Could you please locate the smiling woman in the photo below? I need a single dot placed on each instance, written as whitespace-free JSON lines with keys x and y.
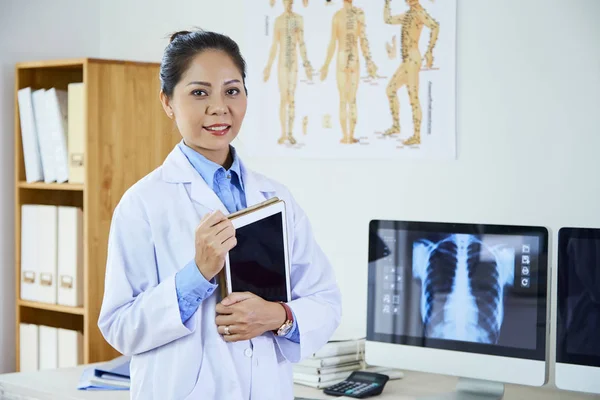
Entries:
{"x":203,"y":89}
{"x":169,"y":238}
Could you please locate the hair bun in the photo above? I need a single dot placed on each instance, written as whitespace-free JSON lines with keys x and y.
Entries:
{"x":180,"y":33}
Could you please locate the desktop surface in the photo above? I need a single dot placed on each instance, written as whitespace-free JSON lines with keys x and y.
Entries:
{"x":62,"y":383}
{"x":418,"y":384}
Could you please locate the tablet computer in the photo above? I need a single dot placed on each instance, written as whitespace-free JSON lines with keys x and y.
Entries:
{"x":259,"y":263}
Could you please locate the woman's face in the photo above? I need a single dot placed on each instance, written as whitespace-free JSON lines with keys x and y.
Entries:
{"x":209,"y":104}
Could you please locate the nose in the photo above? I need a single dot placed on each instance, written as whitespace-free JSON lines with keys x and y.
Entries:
{"x":217,"y":106}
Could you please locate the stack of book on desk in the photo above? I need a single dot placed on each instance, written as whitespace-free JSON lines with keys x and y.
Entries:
{"x":335,"y":362}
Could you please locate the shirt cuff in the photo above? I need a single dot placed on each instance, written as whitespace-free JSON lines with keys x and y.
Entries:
{"x":191,"y":288}
{"x":294,"y":333}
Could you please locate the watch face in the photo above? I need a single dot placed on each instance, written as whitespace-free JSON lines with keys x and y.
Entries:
{"x":285,"y":329}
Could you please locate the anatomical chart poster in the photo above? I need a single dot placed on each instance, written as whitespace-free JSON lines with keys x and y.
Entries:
{"x":351,"y":78}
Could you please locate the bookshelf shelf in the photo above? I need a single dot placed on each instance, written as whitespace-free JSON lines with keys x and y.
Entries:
{"x":52,"y":186}
{"x":119,"y":109}
{"x":52,"y":307}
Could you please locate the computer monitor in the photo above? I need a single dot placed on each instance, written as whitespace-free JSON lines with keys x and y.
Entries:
{"x":467,"y":300}
{"x":578,"y":310}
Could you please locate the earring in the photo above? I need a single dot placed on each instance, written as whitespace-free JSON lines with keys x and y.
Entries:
{"x":171,"y":115}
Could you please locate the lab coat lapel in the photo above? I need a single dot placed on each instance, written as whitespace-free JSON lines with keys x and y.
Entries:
{"x":177,"y":169}
{"x":204,"y":195}
{"x":256,"y":187}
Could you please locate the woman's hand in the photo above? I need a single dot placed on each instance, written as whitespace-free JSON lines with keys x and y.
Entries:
{"x":215,"y":236}
{"x":247,"y":316}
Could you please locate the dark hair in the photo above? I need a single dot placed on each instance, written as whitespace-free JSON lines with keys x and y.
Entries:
{"x":185,"y":45}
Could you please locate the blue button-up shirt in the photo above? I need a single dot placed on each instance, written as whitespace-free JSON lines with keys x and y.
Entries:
{"x":191,"y":286}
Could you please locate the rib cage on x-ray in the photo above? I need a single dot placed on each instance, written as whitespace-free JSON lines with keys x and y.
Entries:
{"x":462,"y":282}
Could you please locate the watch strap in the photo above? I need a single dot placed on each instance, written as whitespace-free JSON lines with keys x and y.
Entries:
{"x":289,"y":319}
{"x":289,"y":316}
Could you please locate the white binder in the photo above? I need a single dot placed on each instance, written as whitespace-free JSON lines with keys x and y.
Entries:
{"x":31,"y":150}
{"x":70,"y":348}
{"x":70,"y":256}
{"x":57,"y":108}
{"x":40,"y":111}
{"x":76,"y":124}
{"x":48,"y":347}
{"x":29,"y":254}
{"x":28,"y":338}
{"x":46,"y":248}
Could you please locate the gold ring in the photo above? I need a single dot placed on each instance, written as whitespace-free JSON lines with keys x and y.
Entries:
{"x":227,"y":330}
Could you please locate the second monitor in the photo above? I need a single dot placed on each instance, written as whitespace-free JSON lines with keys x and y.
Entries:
{"x":466,"y":300}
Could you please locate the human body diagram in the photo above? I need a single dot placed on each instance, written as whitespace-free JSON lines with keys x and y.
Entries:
{"x":348,"y":28}
{"x":288,"y":38}
{"x":407,"y":74}
{"x":374,"y":59}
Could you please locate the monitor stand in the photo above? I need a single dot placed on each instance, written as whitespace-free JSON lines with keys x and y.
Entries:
{"x":472,"y":389}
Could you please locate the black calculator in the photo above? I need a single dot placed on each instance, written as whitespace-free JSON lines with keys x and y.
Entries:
{"x":359,"y":385}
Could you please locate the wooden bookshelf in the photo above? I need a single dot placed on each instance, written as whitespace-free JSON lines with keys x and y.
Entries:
{"x":51,"y":186}
{"x":51,"y":307}
{"x":127,"y":136}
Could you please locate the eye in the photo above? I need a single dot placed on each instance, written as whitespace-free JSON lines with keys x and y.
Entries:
{"x":233,"y":92}
{"x":198,"y":92}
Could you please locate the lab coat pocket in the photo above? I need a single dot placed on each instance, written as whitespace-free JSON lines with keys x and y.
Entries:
{"x":177,"y":367}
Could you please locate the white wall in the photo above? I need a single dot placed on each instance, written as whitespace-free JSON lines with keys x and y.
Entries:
{"x":528,"y":127}
{"x":528,"y":140}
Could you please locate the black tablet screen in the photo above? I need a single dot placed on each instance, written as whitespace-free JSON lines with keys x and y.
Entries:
{"x":257,"y":262}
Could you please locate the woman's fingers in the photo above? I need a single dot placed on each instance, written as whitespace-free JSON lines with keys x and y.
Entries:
{"x":223,"y":320}
{"x":225,"y":234}
{"x":227,"y":330}
{"x":230,"y":333}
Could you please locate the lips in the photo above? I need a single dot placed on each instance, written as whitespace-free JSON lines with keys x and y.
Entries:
{"x":217,"y":129}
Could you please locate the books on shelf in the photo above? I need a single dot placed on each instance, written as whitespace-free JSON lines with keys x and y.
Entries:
{"x":52,"y":133}
{"x":76,"y":132}
{"x":29,"y":137}
{"x":44,"y":347}
{"x":52,"y":254}
{"x":29,"y":351}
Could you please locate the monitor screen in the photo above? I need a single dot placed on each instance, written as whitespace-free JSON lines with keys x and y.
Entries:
{"x":578,"y":283}
{"x":464,"y":287}
{"x":257,"y":262}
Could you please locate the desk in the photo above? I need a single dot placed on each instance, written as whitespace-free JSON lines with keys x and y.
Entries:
{"x":415,"y":384}
{"x":52,"y":384}
{"x":61,"y":384}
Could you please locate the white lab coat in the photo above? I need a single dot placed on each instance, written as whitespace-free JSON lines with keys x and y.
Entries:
{"x":151,"y":238}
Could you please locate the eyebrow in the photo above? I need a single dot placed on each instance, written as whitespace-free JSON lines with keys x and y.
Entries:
{"x":209,"y":85}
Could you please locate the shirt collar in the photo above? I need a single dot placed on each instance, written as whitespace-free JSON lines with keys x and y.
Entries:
{"x":207,"y":169}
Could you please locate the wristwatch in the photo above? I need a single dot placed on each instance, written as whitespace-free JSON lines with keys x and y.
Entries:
{"x":286,"y":327}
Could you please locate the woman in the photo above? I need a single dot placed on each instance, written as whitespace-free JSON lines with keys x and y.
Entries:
{"x":168,"y":241}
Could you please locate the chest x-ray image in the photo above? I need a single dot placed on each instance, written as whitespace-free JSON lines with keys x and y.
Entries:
{"x":462,"y":287}
{"x":456,"y":286}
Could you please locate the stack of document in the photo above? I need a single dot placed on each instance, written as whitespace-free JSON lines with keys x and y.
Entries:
{"x":335,"y":362}
{"x":113,"y":375}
